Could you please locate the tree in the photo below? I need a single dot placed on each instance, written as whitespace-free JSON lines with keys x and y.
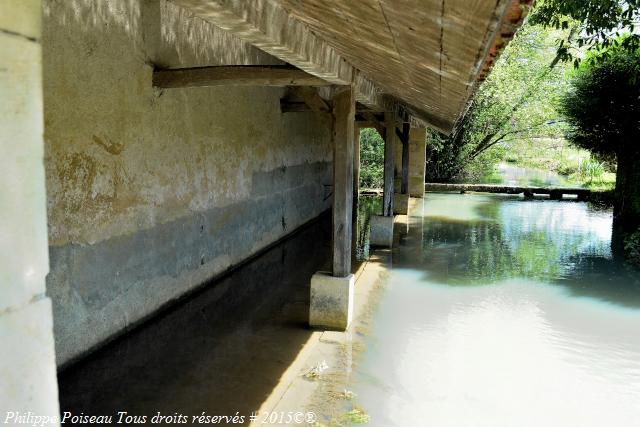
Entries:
{"x":603,"y":110}
{"x":597,"y":25}
{"x":515,"y":102}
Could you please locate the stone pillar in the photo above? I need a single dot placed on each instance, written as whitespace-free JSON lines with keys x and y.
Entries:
{"x":331,"y":299}
{"x":404,"y":187}
{"x":397,"y":165}
{"x":27,"y":364}
{"x":417,"y":160}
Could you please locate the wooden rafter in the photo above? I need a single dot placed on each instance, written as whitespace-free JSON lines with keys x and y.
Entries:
{"x":242,"y":75}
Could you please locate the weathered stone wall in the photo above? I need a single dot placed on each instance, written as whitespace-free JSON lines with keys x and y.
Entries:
{"x":151,"y":193}
{"x":27,"y":361}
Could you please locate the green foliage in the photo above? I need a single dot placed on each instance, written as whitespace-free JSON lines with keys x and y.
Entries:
{"x":596,"y":25}
{"x":591,"y":170}
{"x":594,"y":174}
{"x":632,"y":247}
{"x":603,"y":109}
{"x":548,"y":154}
{"x":371,"y":159}
{"x":356,"y":416}
{"x":577,"y":166}
{"x":515,"y":103}
{"x":603,"y":105}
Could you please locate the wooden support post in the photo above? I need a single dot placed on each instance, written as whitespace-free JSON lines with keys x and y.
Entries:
{"x":417,"y":161}
{"x":404,"y":188}
{"x":356,"y":190}
{"x":397,"y":166}
{"x":389,"y":142}
{"x":344,"y":109}
{"x":331,"y":294}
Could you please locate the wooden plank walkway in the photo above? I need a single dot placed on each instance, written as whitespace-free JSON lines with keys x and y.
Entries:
{"x":555,"y":193}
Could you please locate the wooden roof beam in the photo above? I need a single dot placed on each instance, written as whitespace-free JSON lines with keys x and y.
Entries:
{"x":239,"y":75}
{"x":370,"y":117}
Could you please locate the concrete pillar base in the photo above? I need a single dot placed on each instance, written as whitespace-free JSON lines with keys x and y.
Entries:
{"x":381,"y":231}
{"x":331,"y":304}
{"x":400,"y":204}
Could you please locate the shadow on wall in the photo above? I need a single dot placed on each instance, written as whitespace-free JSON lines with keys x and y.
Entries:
{"x":221,"y":351}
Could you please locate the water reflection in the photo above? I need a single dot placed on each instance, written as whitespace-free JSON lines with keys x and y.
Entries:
{"x":367,"y":207}
{"x":504,"y":312}
{"x":474,"y":239}
{"x":516,"y":175}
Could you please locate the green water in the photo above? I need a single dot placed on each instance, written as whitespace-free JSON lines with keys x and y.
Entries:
{"x":504,"y":312}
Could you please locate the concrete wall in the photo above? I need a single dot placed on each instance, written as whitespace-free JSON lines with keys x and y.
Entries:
{"x":151,"y":193}
{"x":27,"y":365}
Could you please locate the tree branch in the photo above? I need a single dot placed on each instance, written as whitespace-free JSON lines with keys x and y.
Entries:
{"x":485,"y":144}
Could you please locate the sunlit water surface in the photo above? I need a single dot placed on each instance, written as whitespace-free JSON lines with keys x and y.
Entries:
{"x":504,"y":312}
{"x":516,"y":175}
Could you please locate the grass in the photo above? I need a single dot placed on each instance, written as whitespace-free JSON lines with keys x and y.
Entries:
{"x":557,"y":155}
{"x":547,"y":154}
{"x":356,"y":416}
{"x":605,"y":182}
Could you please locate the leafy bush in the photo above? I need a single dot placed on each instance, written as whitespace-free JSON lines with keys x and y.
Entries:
{"x":632,"y":247}
{"x":603,"y":110}
{"x":603,"y":105}
{"x":591,"y":169}
{"x":567,"y":169}
{"x":371,"y":159}
{"x":597,"y":25}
